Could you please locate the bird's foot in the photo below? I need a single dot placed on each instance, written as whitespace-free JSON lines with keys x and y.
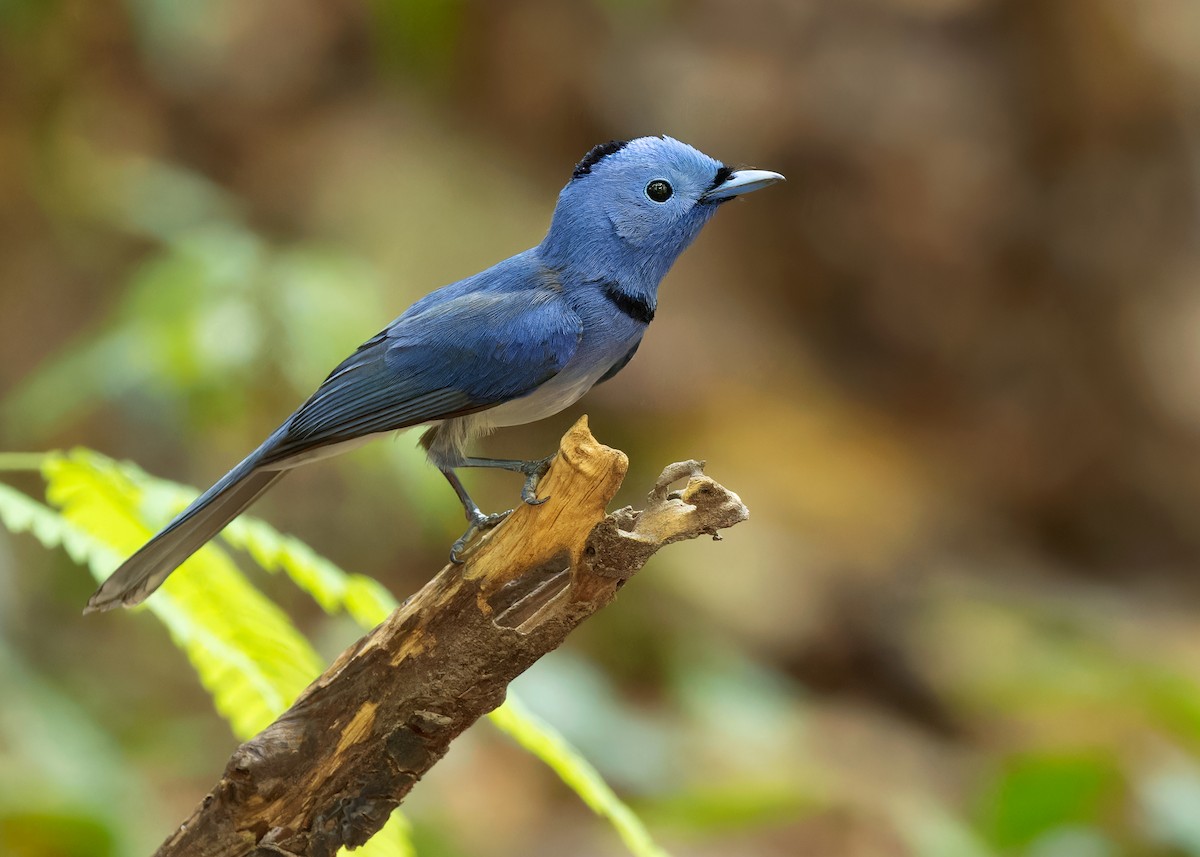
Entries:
{"x":477,"y":524}
{"x":534,"y":471}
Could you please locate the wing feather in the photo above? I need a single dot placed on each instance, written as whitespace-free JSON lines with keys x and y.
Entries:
{"x":458,"y":357}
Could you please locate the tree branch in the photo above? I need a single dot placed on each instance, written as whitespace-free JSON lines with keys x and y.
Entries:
{"x":331,"y":769}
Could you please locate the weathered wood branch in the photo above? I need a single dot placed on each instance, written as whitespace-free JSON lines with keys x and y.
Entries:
{"x":331,"y":769}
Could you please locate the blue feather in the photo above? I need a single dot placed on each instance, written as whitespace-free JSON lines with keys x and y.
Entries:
{"x":512,"y":344}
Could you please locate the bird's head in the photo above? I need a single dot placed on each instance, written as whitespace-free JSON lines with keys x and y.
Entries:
{"x":632,"y":207}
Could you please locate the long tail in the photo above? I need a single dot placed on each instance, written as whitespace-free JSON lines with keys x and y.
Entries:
{"x":145,"y":571}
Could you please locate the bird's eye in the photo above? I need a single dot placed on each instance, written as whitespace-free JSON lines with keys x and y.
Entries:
{"x":659,"y":190}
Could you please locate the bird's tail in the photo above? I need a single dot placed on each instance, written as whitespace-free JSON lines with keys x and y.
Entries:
{"x":145,"y":571}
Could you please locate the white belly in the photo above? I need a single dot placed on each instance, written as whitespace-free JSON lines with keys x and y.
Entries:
{"x":560,"y":392}
{"x":589,"y":363}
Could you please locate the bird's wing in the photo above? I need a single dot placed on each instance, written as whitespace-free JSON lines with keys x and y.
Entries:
{"x":453,"y":358}
{"x":620,"y":364}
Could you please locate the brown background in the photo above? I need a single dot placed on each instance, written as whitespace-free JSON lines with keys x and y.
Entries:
{"x":951,"y":366}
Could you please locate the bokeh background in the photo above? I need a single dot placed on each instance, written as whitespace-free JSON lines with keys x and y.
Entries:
{"x":951,"y":366}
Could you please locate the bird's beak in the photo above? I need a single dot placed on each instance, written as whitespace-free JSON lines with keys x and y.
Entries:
{"x":740,"y":182}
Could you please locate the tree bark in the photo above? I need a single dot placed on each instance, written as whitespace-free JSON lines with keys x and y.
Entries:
{"x":331,"y":769}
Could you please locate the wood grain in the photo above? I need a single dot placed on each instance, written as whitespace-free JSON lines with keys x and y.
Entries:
{"x":331,"y":769}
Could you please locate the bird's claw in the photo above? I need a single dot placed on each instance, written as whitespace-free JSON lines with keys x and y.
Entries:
{"x":478,"y":523}
{"x":534,"y":471}
{"x":529,"y":492}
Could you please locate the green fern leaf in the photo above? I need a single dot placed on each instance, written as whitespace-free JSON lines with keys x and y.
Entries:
{"x":365,"y":599}
{"x":246,"y":651}
{"x":252,"y":660}
{"x":544,"y":741}
{"x":22,"y":514}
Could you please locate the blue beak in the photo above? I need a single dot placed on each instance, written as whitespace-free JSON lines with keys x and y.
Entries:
{"x":740,"y":182}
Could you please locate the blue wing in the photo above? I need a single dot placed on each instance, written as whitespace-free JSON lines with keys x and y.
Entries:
{"x":437,"y":361}
{"x":480,"y":342}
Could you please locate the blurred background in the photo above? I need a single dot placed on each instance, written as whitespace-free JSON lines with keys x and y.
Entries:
{"x":951,"y":366}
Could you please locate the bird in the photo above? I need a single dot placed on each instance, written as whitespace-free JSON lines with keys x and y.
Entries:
{"x":511,"y":345}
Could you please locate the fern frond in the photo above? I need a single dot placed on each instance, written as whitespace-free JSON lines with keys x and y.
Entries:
{"x":246,"y":651}
{"x":544,"y":741}
{"x":366,"y":600}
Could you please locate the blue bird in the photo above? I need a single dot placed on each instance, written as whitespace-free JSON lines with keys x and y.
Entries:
{"x":513,"y":344}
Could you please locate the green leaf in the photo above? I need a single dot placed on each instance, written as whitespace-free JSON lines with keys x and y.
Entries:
{"x":251,"y":658}
{"x":364,"y":598}
{"x":22,"y":514}
{"x":1039,"y":792}
{"x":544,"y":741}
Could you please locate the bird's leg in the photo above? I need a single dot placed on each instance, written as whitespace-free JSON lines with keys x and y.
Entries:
{"x":533,"y":470}
{"x":477,"y":521}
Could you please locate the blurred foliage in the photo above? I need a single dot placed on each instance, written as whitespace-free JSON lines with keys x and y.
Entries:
{"x":543,"y":741}
{"x":950,"y":366}
{"x":1037,"y":794}
{"x":252,"y":660}
{"x":215,"y":309}
{"x":64,"y":788}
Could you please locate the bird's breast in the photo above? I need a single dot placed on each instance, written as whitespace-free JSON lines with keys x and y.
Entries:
{"x":595,"y":355}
